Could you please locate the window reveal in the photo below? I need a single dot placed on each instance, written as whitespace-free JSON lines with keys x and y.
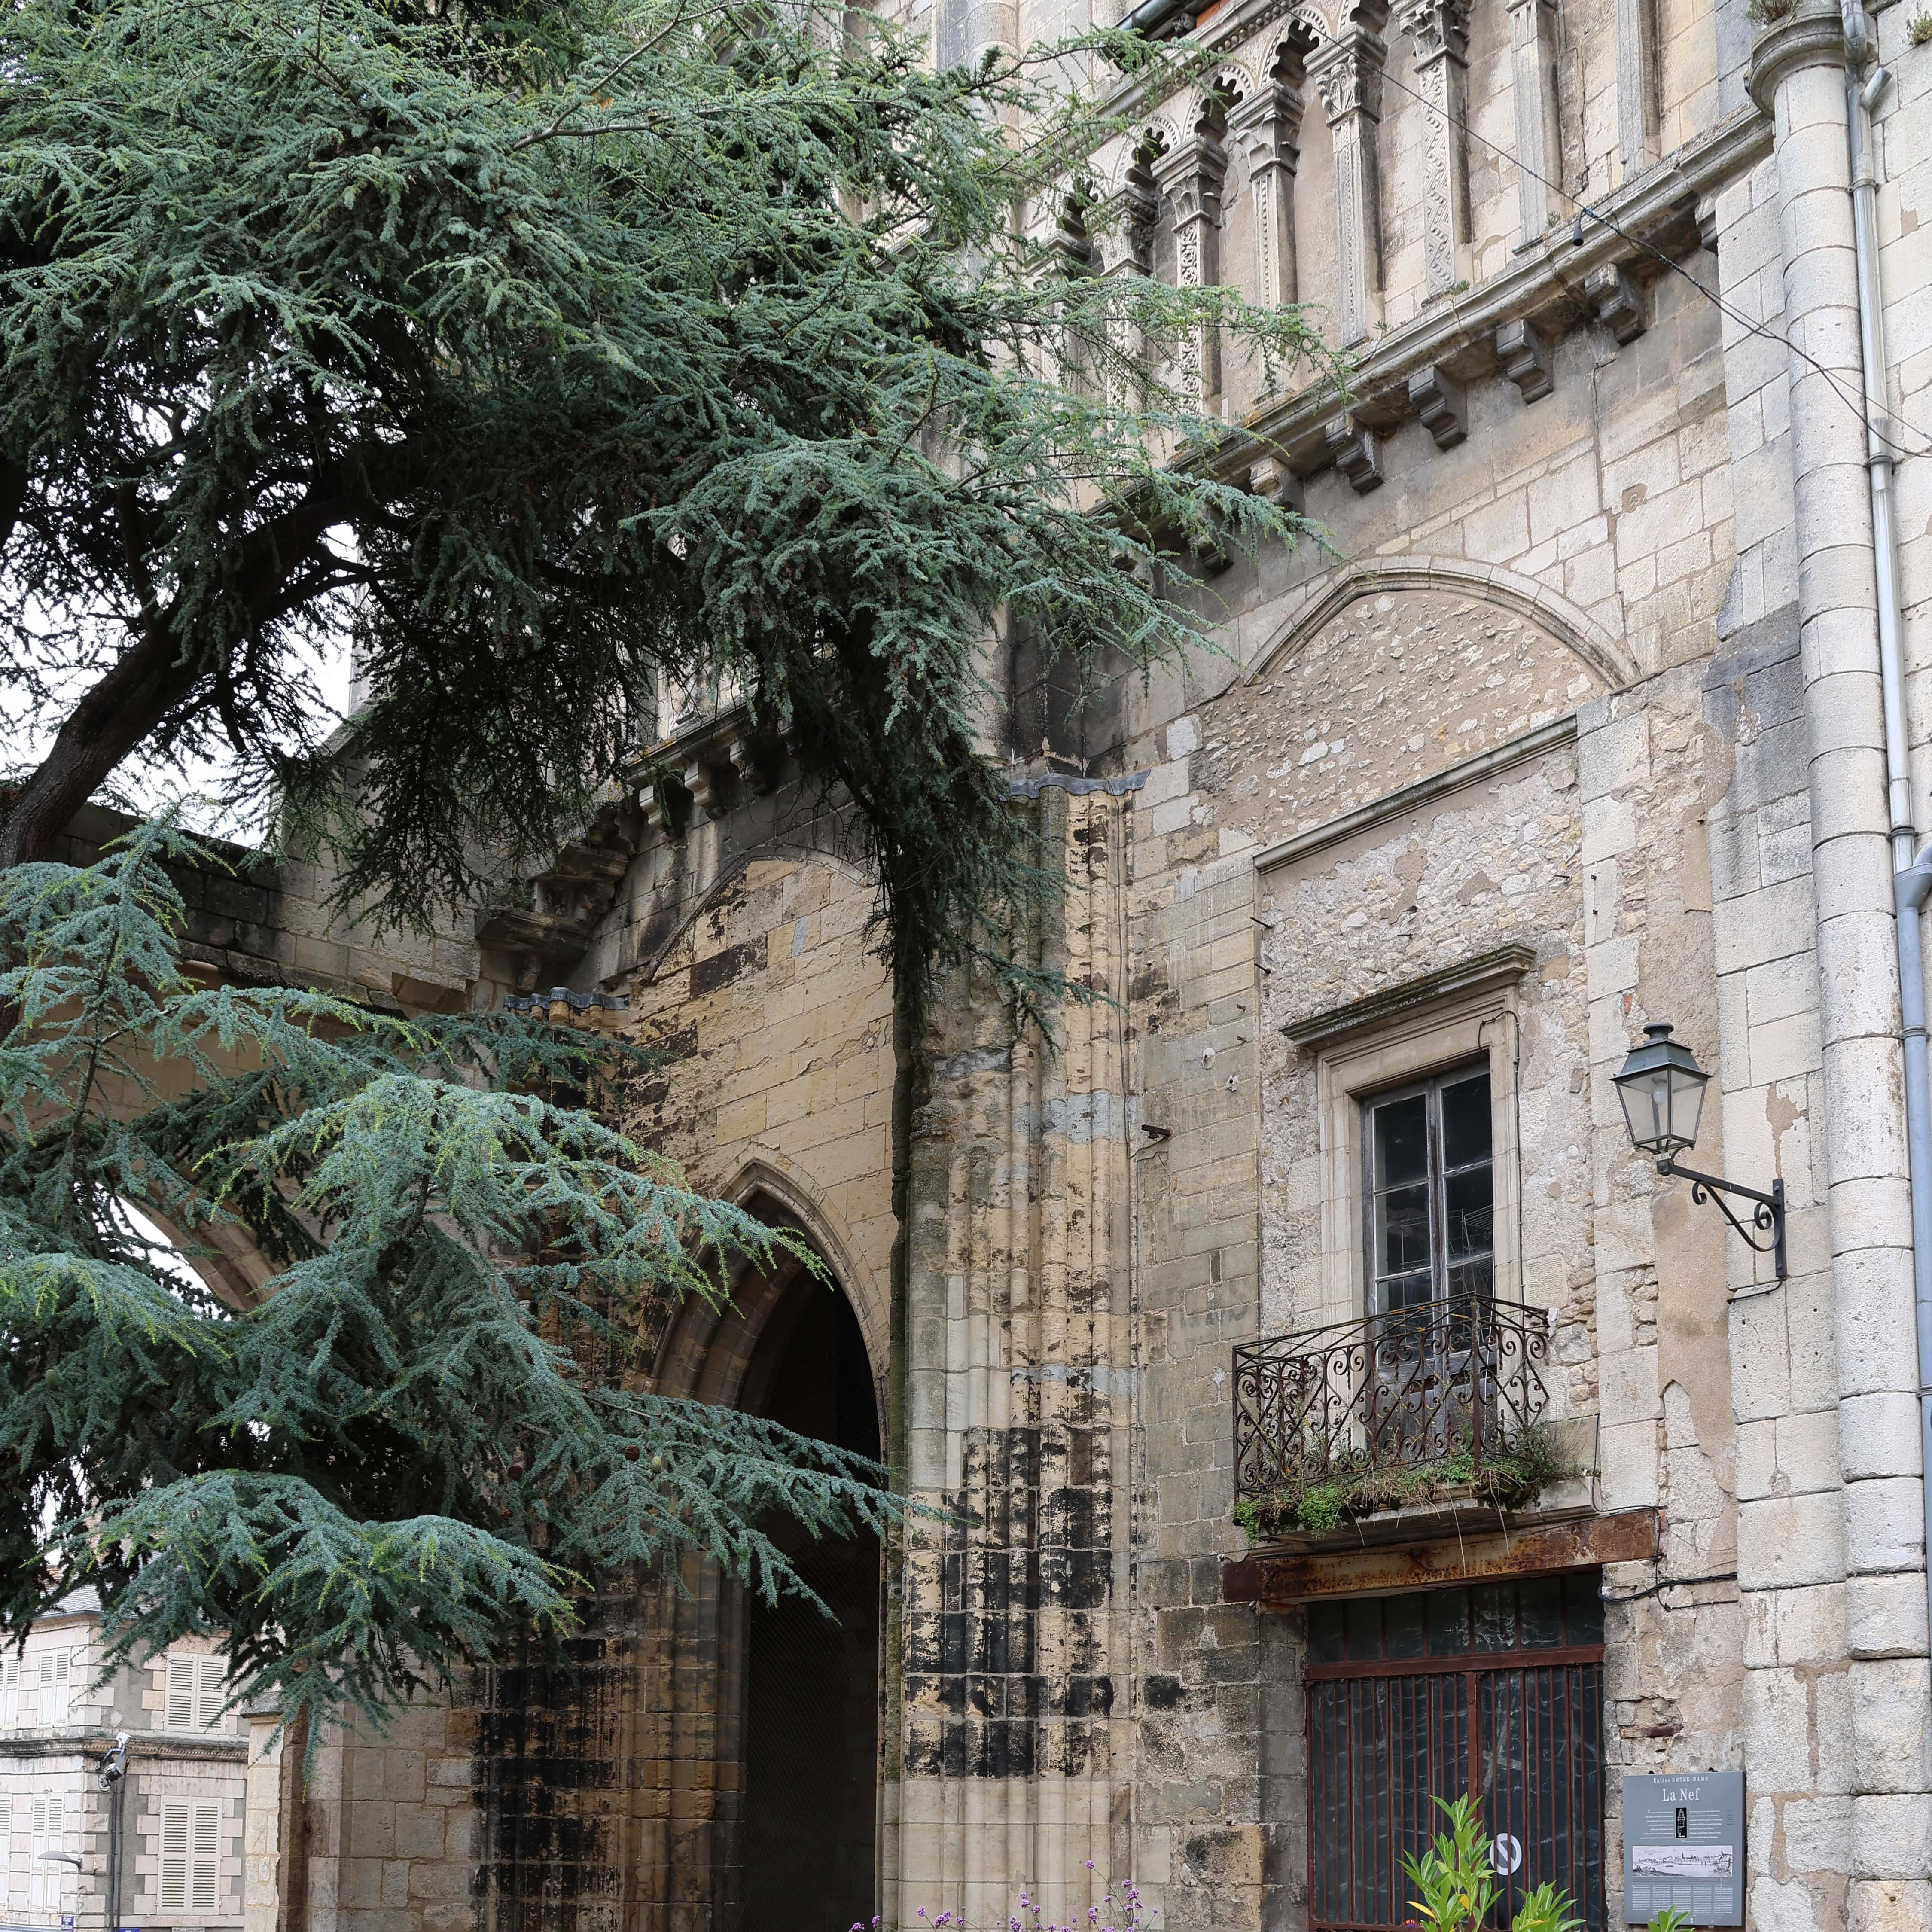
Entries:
{"x":1495,"y":1690}
{"x":1431,"y":1193}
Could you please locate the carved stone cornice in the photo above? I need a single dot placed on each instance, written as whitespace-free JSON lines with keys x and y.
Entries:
{"x":1544,"y":287}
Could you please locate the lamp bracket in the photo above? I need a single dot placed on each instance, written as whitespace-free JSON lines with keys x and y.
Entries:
{"x":1767,"y":1213}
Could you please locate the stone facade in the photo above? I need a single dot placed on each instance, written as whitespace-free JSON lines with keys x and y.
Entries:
{"x":1572,"y":722}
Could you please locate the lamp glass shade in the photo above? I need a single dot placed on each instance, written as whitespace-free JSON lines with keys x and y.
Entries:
{"x":1661,"y":1086}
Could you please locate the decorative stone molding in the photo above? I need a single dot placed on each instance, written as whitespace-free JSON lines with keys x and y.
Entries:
{"x":1352,"y":446}
{"x":1616,"y":300}
{"x":1539,"y":146}
{"x":1267,"y":127}
{"x":1438,"y":399}
{"x":1522,"y":357}
{"x":1347,"y":69}
{"x":1439,"y":31}
{"x":1191,"y":178}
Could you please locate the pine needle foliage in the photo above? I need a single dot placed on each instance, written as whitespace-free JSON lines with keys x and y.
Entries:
{"x":420,"y":1435}
{"x":558,"y":349}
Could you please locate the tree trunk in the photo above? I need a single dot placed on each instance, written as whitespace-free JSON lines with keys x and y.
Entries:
{"x":146,"y":682}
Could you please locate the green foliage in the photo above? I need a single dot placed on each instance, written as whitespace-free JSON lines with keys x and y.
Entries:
{"x":553,"y":349}
{"x":1331,"y":1491}
{"x":418,"y":1435}
{"x":1457,"y":1881}
{"x":1669,"y":1920}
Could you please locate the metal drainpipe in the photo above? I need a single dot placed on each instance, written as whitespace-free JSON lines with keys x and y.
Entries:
{"x":1911,"y":879}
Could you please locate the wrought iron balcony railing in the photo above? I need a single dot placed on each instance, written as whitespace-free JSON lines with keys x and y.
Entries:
{"x":1411,"y":1387}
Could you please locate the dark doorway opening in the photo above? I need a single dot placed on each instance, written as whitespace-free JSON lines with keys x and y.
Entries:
{"x":811,"y":1683}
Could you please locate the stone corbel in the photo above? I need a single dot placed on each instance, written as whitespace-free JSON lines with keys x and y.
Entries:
{"x":750,"y":767}
{"x":1191,"y":178}
{"x":1524,"y":360}
{"x":1348,"y":70}
{"x":1267,"y":127}
{"x":1616,"y":300}
{"x":1439,"y":30}
{"x":659,"y":819}
{"x":1436,"y":396}
{"x":1269,"y":477}
{"x":1539,"y":150}
{"x":700,"y":782}
{"x":1353,"y":446}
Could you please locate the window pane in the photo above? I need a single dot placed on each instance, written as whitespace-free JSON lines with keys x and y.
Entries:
{"x":1364,"y":1617}
{"x":1402,"y":1625}
{"x":1401,"y":1141}
{"x":1325,"y":1633}
{"x":1539,"y":1603}
{"x":1465,"y":1121}
{"x":1406,"y":1291}
{"x":1403,"y":1215}
{"x":1468,"y":1278}
{"x":1494,"y":1605}
{"x":1470,"y":1220}
{"x":1448,"y":1622}
{"x":1583,"y":1607}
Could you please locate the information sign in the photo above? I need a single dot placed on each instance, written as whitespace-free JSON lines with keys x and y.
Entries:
{"x":1684,"y":1846}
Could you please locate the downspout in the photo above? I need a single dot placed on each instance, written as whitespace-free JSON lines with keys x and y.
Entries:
{"x":1912,"y":871}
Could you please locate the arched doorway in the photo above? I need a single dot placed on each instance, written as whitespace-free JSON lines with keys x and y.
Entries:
{"x":810,"y":1680}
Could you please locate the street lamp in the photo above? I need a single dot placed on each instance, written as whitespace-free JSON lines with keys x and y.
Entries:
{"x":1661,"y":1088}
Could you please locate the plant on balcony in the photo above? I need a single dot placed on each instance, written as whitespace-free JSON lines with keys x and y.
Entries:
{"x":1328,"y":1490}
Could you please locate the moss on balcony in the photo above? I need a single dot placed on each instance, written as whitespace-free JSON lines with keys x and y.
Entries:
{"x":1331,"y":1490}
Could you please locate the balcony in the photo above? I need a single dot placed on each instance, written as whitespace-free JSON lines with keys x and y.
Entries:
{"x":1386,"y":1428}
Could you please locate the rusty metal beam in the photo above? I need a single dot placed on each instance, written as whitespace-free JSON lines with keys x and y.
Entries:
{"x":1629,"y":1536}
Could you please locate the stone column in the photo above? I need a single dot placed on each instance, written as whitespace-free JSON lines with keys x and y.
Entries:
{"x":1439,"y":32}
{"x":1191,"y":179}
{"x":1539,"y":147}
{"x":1348,"y":71}
{"x":1268,"y":126}
{"x":1636,"y":84}
{"x":1880,"y":1755}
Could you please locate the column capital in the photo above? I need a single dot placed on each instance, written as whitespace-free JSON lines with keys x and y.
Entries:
{"x":1266,"y":126}
{"x":1348,"y":70}
{"x":1191,"y":178}
{"x":1800,"y":40}
{"x":1439,"y":28}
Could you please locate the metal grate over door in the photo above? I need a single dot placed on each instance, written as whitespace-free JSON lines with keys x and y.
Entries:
{"x":1497,"y":1691}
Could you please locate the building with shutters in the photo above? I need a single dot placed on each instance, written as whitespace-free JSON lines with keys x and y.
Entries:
{"x":165,"y":1843}
{"x":1321,"y":1406}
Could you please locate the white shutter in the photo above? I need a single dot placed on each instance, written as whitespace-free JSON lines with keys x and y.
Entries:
{"x":179,"y":1715}
{"x":56,"y":1680}
{"x":10,"y":1692}
{"x":177,"y":1826}
{"x":213,"y":1687}
{"x":49,"y":1834}
{"x":205,"y":1881}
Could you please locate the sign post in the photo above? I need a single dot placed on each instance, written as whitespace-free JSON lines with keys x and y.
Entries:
{"x":1684,"y":1846}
